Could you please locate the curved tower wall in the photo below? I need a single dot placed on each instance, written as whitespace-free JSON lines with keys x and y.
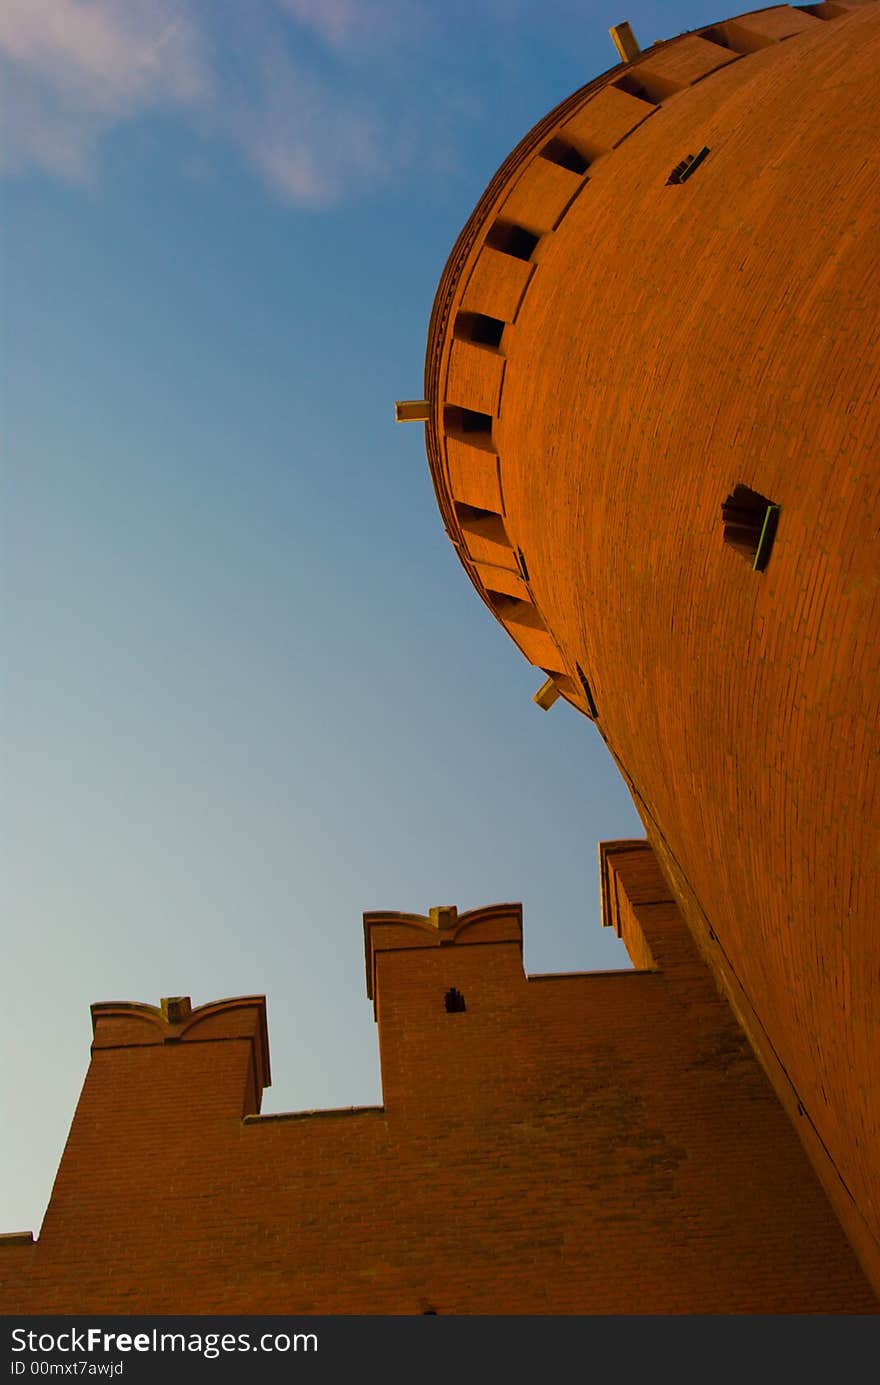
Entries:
{"x":611,"y":354}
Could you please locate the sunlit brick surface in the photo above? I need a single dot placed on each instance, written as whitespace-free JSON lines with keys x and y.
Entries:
{"x":567,"y":1144}
{"x":670,"y":343}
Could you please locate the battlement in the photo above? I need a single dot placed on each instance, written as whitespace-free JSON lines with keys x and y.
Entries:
{"x":584,"y":1143}
{"x":440,"y":927}
{"x":127,"y":1024}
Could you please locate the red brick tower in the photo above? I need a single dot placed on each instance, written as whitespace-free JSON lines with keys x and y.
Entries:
{"x":652,"y":422}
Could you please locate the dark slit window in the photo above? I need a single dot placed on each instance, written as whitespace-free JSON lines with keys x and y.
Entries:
{"x":588,"y":693}
{"x":559,"y":152}
{"x":511,"y":239}
{"x":454,"y":1001}
{"x":479,"y":328}
{"x":750,"y":522}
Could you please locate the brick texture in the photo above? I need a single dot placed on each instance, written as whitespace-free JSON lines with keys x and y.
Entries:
{"x":599,"y":1143}
{"x":671,"y":343}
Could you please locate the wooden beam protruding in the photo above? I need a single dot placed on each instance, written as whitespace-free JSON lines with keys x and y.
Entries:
{"x":412,"y":410}
{"x":546,"y":695}
{"x":625,"y":42}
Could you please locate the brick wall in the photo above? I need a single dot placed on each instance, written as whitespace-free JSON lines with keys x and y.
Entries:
{"x":599,"y":1143}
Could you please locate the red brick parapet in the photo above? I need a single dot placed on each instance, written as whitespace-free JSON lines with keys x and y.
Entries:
{"x":572,"y":1144}
{"x":441,"y":927}
{"x":126,"y":1024}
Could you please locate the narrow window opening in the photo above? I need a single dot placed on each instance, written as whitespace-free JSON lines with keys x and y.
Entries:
{"x":479,"y":328}
{"x":559,"y":152}
{"x":507,"y":607}
{"x":469,"y":426}
{"x":471,"y":421}
{"x":588,"y":694}
{"x":713,"y":36}
{"x":633,"y":86}
{"x":738,"y":40}
{"x":688,"y":165}
{"x":481,"y":524}
{"x":750,"y":522}
{"x":454,"y":1001}
{"x":716,"y":36}
{"x":511,"y":239}
{"x":825,"y":11}
{"x":521,"y":563}
{"x":512,"y":610}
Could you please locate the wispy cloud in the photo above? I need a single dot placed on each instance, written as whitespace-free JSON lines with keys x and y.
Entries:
{"x":320,"y":98}
{"x":356,"y":25}
{"x":310,"y":152}
{"x":72,"y":69}
{"x":313,"y":134}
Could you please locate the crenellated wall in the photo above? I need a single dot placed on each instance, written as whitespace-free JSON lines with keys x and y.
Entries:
{"x":599,"y":1143}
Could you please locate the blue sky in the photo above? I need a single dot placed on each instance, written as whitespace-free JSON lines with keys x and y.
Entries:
{"x":247,"y":691}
